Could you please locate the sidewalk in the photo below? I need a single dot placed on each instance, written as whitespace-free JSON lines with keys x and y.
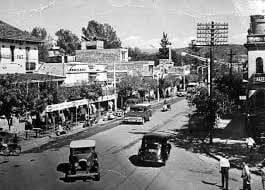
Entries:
{"x":229,"y":140}
{"x":40,"y":141}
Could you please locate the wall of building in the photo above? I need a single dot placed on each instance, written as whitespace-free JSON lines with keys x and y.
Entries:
{"x":57,"y":69}
{"x":19,"y":63}
{"x":102,"y":55}
{"x":252,"y":56}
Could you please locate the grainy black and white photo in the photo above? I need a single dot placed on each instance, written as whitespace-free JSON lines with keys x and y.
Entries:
{"x":132,"y":94}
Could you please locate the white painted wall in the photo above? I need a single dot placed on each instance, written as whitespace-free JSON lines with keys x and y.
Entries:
{"x":252,"y":56}
{"x":19,"y":63}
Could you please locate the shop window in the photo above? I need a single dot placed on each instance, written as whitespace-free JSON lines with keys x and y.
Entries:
{"x":12,"y":51}
{"x":259,"y":65}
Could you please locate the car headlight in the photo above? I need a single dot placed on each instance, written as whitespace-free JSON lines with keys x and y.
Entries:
{"x":76,"y":164}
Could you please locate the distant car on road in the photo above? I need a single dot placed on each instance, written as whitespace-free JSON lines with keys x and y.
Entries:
{"x":83,"y":161}
{"x":154,"y":148}
{"x":109,"y":116}
{"x":138,"y":113}
{"x":181,"y":93}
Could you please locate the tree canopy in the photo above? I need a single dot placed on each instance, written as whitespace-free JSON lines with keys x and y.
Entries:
{"x":105,"y":32}
{"x":67,"y":41}
{"x":41,"y":34}
{"x":163,"y":51}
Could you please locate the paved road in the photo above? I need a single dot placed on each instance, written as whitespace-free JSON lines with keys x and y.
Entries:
{"x":116,"y":149}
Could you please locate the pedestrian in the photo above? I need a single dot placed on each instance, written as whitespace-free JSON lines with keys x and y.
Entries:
{"x":246,"y":177}
{"x":224,"y":170}
{"x":262,"y":174}
{"x":250,"y":143}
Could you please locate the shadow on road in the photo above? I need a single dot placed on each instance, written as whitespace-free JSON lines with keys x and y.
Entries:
{"x":64,"y":168}
{"x":211,"y":183}
{"x":136,"y":162}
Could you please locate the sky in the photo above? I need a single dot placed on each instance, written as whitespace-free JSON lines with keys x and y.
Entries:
{"x":138,"y":23}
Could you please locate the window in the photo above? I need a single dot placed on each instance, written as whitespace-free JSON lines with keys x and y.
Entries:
{"x":259,"y":65}
{"x":12,"y":50}
{"x":123,"y":55}
{"x":30,"y":66}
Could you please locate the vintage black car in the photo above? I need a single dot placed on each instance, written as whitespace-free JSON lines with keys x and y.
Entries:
{"x":83,"y":161}
{"x":138,"y":113}
{"x":155,"y":148}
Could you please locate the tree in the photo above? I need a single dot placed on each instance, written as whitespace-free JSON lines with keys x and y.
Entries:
{"x":67,"y":41}
{"x":163,"y":51}
{"x":41,"y":34}
{"x":231,"y":87}
{"x":206,"y":106}
{"x":127,"y":86}
{"x":105,"y":32}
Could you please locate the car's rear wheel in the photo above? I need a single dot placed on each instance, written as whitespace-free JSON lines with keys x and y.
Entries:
{"x":17,"y":151}
{"x":97,"y":177}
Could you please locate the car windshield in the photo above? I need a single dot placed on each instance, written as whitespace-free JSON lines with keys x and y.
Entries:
{"x":150,"y":145}
{"x":137,"y":109}
{"x":82,"y":150}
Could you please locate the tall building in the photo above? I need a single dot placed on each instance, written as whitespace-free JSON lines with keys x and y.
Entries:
{"x":256,"y":76}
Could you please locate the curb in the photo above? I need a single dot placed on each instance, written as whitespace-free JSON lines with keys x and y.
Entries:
{"x":231,"y":163}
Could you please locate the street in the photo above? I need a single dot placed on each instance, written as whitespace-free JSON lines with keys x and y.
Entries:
{"x":116,"y":149}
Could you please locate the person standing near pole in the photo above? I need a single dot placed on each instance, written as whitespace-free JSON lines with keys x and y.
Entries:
{"x":246,"y":177}
{"x":224,"y":170}
{"x":262,"y":174}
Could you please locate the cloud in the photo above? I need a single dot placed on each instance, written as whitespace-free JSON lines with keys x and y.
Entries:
{"x":238,"y":38}
{"x":138,"y":41}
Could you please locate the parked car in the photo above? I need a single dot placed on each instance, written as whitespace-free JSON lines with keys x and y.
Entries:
{"x":9,"y":144}
{"x":138,"y":113}
{"x":109,"y":116}
{"x":119,"y":113}
{"x":83,"y":161}
{"x":154,"y":148}
{"x":181,"y":93}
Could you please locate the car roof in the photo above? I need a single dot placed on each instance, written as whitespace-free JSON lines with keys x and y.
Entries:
{"x":155,"y":135}
{"x":82,"y":143}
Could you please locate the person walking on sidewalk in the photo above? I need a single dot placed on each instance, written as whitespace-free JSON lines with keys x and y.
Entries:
{"x":224,"y":170}
{"x":246,"y":177}
{"x":262,"y":174}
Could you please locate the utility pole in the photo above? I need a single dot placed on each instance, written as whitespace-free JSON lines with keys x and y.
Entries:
{"x":211,"y":35}
{"x":231,"y":54}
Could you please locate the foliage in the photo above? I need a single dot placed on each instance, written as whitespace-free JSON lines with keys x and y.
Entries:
{"x":67,"y":41}
{"x":127,"y":86}
{"x":105,"y":32}
{"x":163,"y":51}
{"x":41,"y":34}
{"x":206,"y":106}
{"x":230,"y":86}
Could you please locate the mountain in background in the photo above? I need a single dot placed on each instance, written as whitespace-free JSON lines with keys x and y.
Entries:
{"x":220,"y":52}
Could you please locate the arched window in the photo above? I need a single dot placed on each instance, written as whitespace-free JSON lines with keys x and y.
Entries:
{"x":259,"y":65}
